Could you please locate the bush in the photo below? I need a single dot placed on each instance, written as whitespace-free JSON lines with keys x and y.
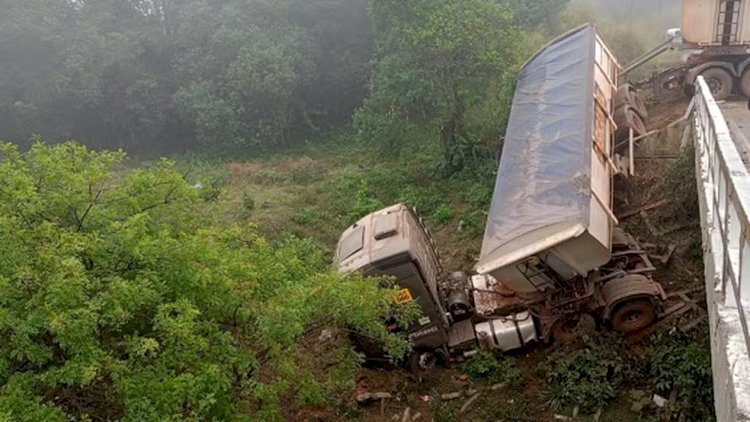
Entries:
{"x":208,"y":177}
{"x":364,"y":203}
{"x":488,"y":366}
{"x":305,"y":216}
{"x":248,"y":203}
{"x":445,"y":412}
{"x":678,"y":363}
{"x":472,"y":224}
{"x":116,"y":301}
{"x":442,"y":214}
{"x":425,"y":199}
{"x":587,"y":373}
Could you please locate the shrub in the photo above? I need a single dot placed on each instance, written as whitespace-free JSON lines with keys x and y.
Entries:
{"x":442,"y":214}
{"x":424,"y":199}
{"x":472,"y":224}
{"x":117,"y":301}
{"x":491,"y":367}
{"x":445,"y":412}
{"x":678,"y":363}
{"x":248,"y":203}
{"x":364,"y":202}
{"x":208,"y":177}
{"x":305,"y":216}
{"x":587,"y":373}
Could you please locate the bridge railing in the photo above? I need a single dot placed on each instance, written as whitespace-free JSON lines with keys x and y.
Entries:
{"x":724,"y":190}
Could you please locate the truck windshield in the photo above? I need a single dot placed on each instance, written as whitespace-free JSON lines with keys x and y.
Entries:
{"x":351,"y":244}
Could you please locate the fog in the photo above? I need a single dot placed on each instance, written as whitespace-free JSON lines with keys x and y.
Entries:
{"x":172,"y":75}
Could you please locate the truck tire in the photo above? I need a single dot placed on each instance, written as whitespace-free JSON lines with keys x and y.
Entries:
{"x":640,"y":105}
{"x":633,"y":315}
{"x":628,"y":94}
{"x":421,"y":361}
{"x":626,"y":118}
{"x":745,"y":83}
{"x":569,"y":327}
{"x":720,"y":82}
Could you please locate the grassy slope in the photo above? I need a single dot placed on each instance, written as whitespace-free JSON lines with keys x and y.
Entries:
{"x":318,"y":190}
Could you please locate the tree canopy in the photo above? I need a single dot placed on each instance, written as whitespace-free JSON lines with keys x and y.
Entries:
{"x":251,"y":75}
{"x":437,"y":63}
{"x":164,"y":75}
{"x":117,"y":301}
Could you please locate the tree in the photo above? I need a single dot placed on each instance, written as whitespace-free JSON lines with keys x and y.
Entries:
{"x":163,"y":75}
{"x":117,"y":302}
{"x":537,"y":14}
{"x":438,"y":62}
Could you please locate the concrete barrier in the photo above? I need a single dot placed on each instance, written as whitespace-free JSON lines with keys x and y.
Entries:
{"x":724,"y":191}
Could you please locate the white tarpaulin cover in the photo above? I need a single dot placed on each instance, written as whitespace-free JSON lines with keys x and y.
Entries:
{"x":545,"y":169}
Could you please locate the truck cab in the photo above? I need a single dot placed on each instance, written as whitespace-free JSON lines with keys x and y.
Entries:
{"x":392,"y":242}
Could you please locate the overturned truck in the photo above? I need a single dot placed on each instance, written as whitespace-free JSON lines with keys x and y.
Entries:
{"x":553,"y":262}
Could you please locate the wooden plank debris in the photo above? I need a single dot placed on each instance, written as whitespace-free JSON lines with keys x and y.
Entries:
{"x":647,"y":207}
{"x":469,"y":402}
{"x":694,"y":323}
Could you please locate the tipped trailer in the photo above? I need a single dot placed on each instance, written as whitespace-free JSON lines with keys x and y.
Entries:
{"x":553,"y":262}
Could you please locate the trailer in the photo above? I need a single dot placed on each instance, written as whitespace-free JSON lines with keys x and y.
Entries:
{"x":553,"y":262}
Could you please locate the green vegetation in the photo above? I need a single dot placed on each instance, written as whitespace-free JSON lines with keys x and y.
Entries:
{"x":166,"y":75}
{"x":117,"y":301}
{"x":677,"y":363}
{"x":489,"y":366}
{"x":586,"y":374}
{"x":441,"y":66}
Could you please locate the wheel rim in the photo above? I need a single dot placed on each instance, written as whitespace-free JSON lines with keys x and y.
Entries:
{"x":633,"y":316}
{"x":425,"y":361}
{"x":571,"y":327}
{"x":715,"y":85}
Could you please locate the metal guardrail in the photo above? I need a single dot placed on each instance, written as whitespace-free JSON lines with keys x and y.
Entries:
{"x":724,"y":190}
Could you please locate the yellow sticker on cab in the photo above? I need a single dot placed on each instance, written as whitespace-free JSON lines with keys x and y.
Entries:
{"x":403,"y":296}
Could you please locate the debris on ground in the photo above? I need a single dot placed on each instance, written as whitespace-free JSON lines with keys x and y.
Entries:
{"x":659,"y":400}
{"x":369,"y":397}
{"x":469,"y":402}
{"x":451,"y":396}
{"x":405,"y":417}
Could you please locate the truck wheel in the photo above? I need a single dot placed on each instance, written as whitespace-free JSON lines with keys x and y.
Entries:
{"x":633,"y":316}
{"x":640,"y":105}
{"x":720,"y":82}
{"x":626,"y":118}
{"x":627,"y":94}
{"x":639,"y":126}
{"x":569,"y":327}
{"x":422,"y":361}
{"x":745,"y":83}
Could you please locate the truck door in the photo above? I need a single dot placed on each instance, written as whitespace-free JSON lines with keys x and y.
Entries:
{"x":428,"y":331}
